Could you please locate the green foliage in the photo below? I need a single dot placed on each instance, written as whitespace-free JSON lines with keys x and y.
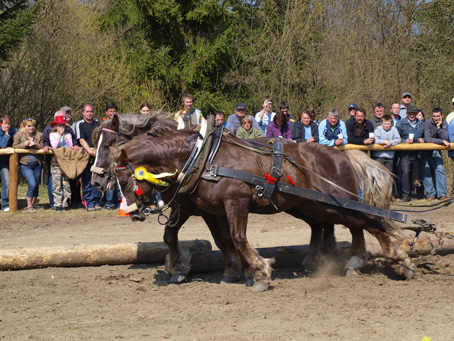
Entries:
{"x":15,"y":20}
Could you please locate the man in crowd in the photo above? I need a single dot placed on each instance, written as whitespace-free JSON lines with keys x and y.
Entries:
{"x":411,"y":131}
{"x":111,"y":109}
{"x":188,"y":117}
{"x":360,"y":130}
{"x":84,"y":130}
{"x":395,"y":111}
{"x":332,"y":130}
{"x":404,"y":103}
{"x":435,"y":131}
{"x":220,"y":120}
{"x":451,"y":114}
{"x":266,"y":115}
{"x":379,"y":111}
{"x":234,"y":121}
{"x":46,"y":147}
{"x":68,"y":118}
{"x":284,"y":108}
{"x":351,"y":112}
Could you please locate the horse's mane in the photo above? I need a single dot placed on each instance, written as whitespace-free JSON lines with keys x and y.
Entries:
{"x":130,"y":122}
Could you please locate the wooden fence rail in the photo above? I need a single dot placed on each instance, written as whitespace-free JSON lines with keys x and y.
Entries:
{"x":14,"y":161}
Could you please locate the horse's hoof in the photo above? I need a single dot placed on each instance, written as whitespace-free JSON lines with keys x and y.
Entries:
{"x":355,"y":262}
{"x":311,"y":262}
{"x":229,"y":279}
{"x":249,"y":282}
{"x":259,"y":287}
{"x":407,"y":268}
{"x":177,"y":279}
{"x":352,"y":272}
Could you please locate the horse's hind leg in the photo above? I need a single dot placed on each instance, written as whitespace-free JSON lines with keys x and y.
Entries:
{"x":180,"y":262}
{"x":359,"y":255}
{"x":396,"y":257}
{"x":220,"y":232}
{"x":237,"y":216}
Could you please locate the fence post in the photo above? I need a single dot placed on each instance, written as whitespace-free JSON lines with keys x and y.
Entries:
{"x":13,"y":181}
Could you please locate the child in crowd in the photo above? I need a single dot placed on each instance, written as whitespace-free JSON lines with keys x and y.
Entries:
{"x":6,"y":141}
{"x":60,"y":182}
{"x":386,"y":135}
{"x":30,"y":164}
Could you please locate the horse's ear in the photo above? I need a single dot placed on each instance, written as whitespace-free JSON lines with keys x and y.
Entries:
{"x":122,"y":159}
{"x":115,"y":122}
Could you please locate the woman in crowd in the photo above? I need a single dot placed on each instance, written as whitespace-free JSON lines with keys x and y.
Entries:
{"x":247,"y":131}
{"x":6,"y":141}
{"x":279,"y":127}
{"x":61,"y":189}
{"x":145,"y":108}
{"x":305,"y":130}
{"x":30,"y":164}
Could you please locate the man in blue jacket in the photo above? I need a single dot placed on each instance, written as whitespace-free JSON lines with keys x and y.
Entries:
{"x":332,"y":131}
{"x":6,"y":140}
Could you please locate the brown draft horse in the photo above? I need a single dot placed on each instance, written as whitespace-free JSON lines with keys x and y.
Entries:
{"x":230,"y":200}
{"x":120,"y":130}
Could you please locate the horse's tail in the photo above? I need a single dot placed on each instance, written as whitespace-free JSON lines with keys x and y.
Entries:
{"x":375,"y":181}
{"x":376,"y":184}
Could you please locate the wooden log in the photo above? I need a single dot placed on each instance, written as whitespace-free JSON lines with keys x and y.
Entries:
{"x":90,"y":255}
{"x":294,"y":255}
{"x":13,"y":181}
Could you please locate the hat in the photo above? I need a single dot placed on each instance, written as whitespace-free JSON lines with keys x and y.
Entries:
{"x":58,"y":120}
{"x":412,"y":108}
{"x":352,"y":106}
{"x":240,"y":106}
{"x":65,"y":109}
{"x":406,"y":94}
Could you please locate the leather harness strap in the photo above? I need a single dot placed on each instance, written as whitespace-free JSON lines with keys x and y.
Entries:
{"x":213,"y":172}
{"x":276,"y":170}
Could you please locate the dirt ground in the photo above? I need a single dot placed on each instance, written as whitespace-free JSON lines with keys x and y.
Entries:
{"x":134,"y":302}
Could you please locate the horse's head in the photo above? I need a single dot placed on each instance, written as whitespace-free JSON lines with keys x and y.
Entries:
{"x":105,"y":137}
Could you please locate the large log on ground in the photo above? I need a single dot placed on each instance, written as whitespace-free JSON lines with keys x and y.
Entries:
{"x":89,"y":255}
{"x":293,"y":255}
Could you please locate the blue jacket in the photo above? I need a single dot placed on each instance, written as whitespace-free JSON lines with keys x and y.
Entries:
{"x":451,"y":136}
{"x":404,"y":128}
{"x":328,"y":135}
{"x":7,"y":140}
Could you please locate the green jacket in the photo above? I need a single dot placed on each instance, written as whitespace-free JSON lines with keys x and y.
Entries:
{"x":251,"y":134}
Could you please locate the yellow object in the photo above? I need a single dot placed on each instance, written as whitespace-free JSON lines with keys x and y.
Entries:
{"x":426,"y":338}
{"x":142,"y":174}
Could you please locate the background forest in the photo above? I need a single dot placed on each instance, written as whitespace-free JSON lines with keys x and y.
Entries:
{"x":325,"y":53}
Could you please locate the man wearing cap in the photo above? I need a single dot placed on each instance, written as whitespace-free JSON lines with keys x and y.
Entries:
{"x":451,"y":114}
{"x":84,"y":130}
{"x":409,"y":158}
{"x":266,"y":115}
{"x":379,"y":111}
{"x":47,"y":147}
{"x":68,"y":118}
{"x":234,"y":121}
{"x":404,"y":102}
{"x":351,"y":112}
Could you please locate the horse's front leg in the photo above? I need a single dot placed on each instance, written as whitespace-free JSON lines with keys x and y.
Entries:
{"x":232,"y":266}
{"x":359,"y":255}
{"x":237,"y":216}
{"x":180,"y":263}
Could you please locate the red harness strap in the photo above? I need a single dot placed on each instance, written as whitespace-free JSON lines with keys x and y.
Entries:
{"x":290,"y":180}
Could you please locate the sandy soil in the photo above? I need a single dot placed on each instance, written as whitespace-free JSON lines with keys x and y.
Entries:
{"x":134,"y":301}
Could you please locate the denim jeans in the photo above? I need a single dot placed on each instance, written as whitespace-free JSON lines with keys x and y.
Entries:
{"x":433,"y":169}
{"x":90,"y":194}
{"x":112,"y":198}
{"x":32,"y":174}
{"x":50,"y":191}
{"x":4,"y":170}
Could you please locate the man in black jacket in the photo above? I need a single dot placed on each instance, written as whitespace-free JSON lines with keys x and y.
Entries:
{"x":360,"y":130}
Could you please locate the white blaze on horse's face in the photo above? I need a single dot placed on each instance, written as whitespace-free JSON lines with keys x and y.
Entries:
{"x":99,"y":146}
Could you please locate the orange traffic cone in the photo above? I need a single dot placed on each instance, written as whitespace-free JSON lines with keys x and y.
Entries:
{"x":121,"y":212}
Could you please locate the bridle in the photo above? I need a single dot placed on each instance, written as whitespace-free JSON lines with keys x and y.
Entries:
{"x":119,"y":138}
{"x":141,"y":174}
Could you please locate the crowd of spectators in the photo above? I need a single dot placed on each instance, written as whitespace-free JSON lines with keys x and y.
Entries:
{"x":418,"y":173}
